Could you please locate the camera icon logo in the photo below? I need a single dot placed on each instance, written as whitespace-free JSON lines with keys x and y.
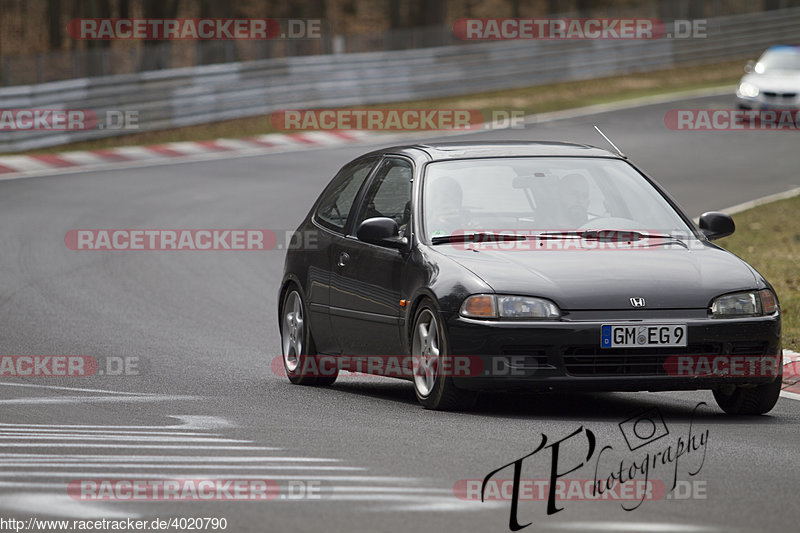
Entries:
{"x":644,"y":428}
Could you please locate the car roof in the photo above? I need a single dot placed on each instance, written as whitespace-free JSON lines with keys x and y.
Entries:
{"x":466,"y":150}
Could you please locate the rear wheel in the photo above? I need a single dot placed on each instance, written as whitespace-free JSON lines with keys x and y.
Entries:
{"x":434,"y":389}
{"x":749,"y":400}
{"x":300,"y":358}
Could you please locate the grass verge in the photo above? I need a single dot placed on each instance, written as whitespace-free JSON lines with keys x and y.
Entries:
{"x":530,"y":100}
{"x":765,"y":239}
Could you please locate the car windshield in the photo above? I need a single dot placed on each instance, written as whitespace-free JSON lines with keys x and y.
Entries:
{"x":784,"y":58}
{"x":542,"y":195}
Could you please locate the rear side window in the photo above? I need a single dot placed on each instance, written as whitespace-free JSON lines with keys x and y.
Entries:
{"x":338,"y":198}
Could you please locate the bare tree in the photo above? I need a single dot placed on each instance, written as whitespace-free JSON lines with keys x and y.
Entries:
{"x":96,"y":49}
{"x":156,"y":53}
{"x":54,"y":34}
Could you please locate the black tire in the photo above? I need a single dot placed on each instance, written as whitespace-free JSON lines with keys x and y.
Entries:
{"x":442,"y":395}
{"x":300,"y":360}
{"x":749,"y":400}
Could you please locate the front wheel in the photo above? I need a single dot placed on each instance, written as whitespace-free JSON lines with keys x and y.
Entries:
{"x":300,"y":360}
{"x":749,"y":400}
{"x":433,"y":387}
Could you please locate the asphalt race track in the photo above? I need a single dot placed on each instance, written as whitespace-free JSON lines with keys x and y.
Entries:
{"x":201,"y":330}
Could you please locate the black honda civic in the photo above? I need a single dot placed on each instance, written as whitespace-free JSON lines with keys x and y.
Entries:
{"x":522,"y":266}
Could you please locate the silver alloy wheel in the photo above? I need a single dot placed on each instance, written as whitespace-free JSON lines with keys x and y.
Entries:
{"x":292,"y":333}
{"x":425,"y":350}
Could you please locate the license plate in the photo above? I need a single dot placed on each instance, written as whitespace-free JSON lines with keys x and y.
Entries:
{"x":643,"y":336}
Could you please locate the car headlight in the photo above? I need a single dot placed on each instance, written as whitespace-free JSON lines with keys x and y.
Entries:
{"x":514,"y":307}
{"x":748,"y":90}
{"x":742,"y":304}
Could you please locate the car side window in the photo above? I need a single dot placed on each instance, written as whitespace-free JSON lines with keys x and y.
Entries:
{"x":389,"y":194}
{"x":338,"y":198}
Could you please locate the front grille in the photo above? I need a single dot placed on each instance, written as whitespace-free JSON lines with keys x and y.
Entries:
{"x":595,"y":361}
{"x":771,"y":94}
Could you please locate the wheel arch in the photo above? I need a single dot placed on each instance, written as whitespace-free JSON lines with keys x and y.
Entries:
{"x":423,"y":294}
{"x":288,"y":282}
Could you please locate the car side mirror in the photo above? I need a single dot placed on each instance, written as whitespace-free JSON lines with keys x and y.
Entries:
{"x":715,"y":225}
{"x":381,"y":231}
{"x":749,"y":66}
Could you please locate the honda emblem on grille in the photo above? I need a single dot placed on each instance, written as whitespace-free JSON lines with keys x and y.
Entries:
{"x":637,"y":302}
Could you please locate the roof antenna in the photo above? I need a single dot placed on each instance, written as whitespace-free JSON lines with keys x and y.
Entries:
{"x":611,"y":143}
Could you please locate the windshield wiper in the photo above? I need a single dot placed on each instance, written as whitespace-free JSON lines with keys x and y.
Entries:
{"x":610,"y":235}
{"x":476,"y":237}
{"x":589,"y":235}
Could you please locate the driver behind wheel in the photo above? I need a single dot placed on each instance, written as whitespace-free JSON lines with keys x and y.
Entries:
{"x":447,"y":214}
{"x":574,"y":200}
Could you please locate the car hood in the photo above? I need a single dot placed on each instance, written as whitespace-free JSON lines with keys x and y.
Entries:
{"x":787,"y":81}
{"x":584,"y":279}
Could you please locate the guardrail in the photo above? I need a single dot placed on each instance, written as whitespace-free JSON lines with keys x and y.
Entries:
{"x":196,"y":95}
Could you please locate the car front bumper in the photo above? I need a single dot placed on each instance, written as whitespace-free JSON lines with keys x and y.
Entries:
{"x":764,"y":103}
{"x":566,"y":354}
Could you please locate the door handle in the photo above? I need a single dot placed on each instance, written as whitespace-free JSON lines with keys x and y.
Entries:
{"x":344,"y":257}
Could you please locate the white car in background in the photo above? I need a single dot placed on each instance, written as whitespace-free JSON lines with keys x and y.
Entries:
{"x":773,"y":82}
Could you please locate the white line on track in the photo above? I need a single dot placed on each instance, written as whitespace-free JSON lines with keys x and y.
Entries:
{"x":137,"y":438}
{"x":43,"y":476}
{"x":63,"y":506}
{"x":738,"y":208}
{"x":153,"y":458}
{"x":279,"y":477}
{"x":88,"y":432}
{"x":49,"y":400}
{"x":639,"y":527}
{"x":199,"y":422}
{"x":134,"y":446}
{"x":161,"y":459}
{"x":143,"y":466}
{"x":71,"y":389}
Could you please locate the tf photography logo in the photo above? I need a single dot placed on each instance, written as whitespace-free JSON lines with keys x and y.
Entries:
{"x":619,"y":474}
